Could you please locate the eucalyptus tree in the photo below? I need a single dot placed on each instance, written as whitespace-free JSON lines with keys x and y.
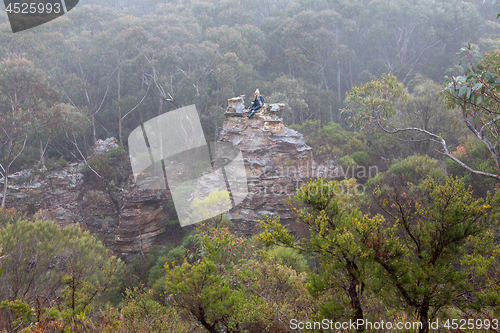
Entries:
{"x":124,"y":40}
{"x":414,"y":36}
{"x":336,"y":226}
{"x":232,"y":286}
{"x":26,"y":101}
{"x":313,"y":42}
{"x":374,"y":106}
{"x":434,"y":241}
{"x":168,"y":34}
{"x":476,"y":93}
{"x":92,"y":73}
{"x":48,"y":268}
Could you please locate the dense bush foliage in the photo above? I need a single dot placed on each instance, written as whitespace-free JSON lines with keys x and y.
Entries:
{"x":105,"y":68}
{"x":416,"y":241}
{"x":52,"y":273}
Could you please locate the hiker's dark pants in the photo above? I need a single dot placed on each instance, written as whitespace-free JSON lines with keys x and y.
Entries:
{"x":253,"y":109}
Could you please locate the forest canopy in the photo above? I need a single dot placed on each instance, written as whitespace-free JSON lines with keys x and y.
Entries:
{"x":120,"y":63}
{"x":410,"y":88}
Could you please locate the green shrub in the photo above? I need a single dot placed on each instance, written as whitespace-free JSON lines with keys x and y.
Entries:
{"x":143,"y":314}
{"x":361,"y":157}
{"x":290,"y":257}
{"x":50,"y":267}
{"x":52,"y":164}
{"x":9,"y":215}
{"x":116,"y":153}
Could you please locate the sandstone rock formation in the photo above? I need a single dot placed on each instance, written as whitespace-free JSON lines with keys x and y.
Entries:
{"x":277,"y":160}
{"x":72,"y":195}
{"x":102,"y":147}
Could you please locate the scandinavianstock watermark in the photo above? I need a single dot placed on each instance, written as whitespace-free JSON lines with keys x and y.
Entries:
{"x":384,"y":326}
{"x":301,"y":175}
{"x":351,"y":325}
{"x":170,"y":151}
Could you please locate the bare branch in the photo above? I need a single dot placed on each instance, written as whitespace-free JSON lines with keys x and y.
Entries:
{"x":162,"y":92}
{"x":480,"y":135}
{"x":410,"y":140}
{"x":438,"y":139}
{"x":493,"y":121}
{"x":20,"y":152}
{"x":102,"y":102}
{"x":469,"y":168}
{"x":81,"y":154}
{"x":474,"y":104}
{"x":140,"y":102}
{"x":397,"y":130}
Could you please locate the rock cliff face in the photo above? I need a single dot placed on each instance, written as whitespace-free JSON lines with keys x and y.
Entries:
{"x":133,"y":220}
{"x":277,"y":161}
{"x":72,"y":195}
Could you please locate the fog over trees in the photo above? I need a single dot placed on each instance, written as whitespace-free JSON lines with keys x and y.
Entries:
{"x":411,"y":87}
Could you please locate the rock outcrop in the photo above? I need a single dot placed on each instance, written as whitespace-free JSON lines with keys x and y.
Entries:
{"x":102,"y":147}
{"x":72,"y":194}
{"x":277,"y":160}
{"x":132,"y":220}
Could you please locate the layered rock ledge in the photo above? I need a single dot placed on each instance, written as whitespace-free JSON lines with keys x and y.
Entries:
{"x":69,"y":195}
{"x":277,"y":161}
{"x":276,"y":158}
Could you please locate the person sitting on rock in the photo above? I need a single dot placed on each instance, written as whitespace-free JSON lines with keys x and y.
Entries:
{"x":257,"y":103}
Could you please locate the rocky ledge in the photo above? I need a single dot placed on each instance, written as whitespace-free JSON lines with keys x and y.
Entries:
{"x":277,"y":161}
{"x":71,"y":194}
{"x":132,"y":220}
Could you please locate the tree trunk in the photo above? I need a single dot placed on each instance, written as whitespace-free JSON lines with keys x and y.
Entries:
{"x":114,"y":199}
{"x":423,"y":313}
{"x":350,"y":76}
{"x":6,"y":178}
{"x":73,"y":294}
{"x":203,"y":321}
{"x":119,"y":110}
{"x":93,"y":128}
{"x":5,"y":183}
{"x":354,"y":292}
{"x":42,"y":155}
{"x":339,"y":90}
{"x":356,"y":303}
{"x":120,"y":131}
{"x":160,"y":107}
